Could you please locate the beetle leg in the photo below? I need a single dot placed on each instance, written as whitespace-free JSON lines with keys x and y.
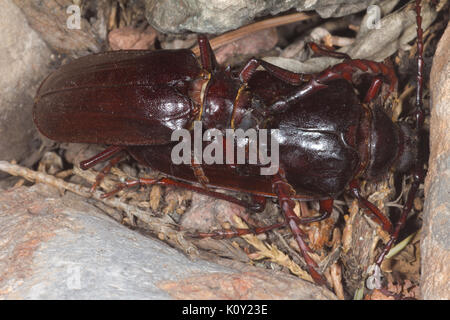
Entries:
{"x":287,"y":76}
{"x":258,"y":203}
{"x":325,"y":51}
{"x":236,"y":232}
{"x":344,"y":70}
{"x":326,"y":207}
{"x":370,"y":207}
{"x":285,"y":193}
{"x":199,"y":174}
{"x":207,"y":56}
{"x":325,"y":211}
{"x":170,"y":182}
{"x":101,"y":175}
{"x":102,"y":156}
{"x":418,"y":178}
{"x":374,"y":89}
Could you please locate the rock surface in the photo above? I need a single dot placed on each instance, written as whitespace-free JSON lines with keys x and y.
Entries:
{"x":23,"y":64}
{"x":55,"y":247}
{"x":435,"y":246}
{"x":218,"y":16}
{"x":62,"y":27}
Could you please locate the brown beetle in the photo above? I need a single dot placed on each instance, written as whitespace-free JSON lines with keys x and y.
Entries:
{"x":328,"y":137}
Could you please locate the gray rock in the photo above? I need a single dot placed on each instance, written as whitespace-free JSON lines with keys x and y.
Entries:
{"x":435,"y":245}
{"x":54,"y":247}
{"x":57,"y":24}
{"x":396,"y":31}
{"x":23,"y":64}
{"x":218,"y":16}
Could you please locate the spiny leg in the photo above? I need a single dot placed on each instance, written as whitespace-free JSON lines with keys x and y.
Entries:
{"x":171,"y":182}
{"x":418,"y":178}
{"x":199,"y":173}
{"x":315,"y":82}
{"x":374,"y":89}
{"x":326,"y":207}
{"x":236,"y":232}
{"x":287,"y":76}
{"x":344,"y":70}
{"x":370,"y":207}
{"x":259,"y":202}
{"x":285,"y":193}
{"x":102,"y":156}
{"x":325,"y":51}
{"x":101,"y":175}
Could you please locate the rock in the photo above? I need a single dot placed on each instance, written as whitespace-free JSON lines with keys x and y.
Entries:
{"x":55,"y":247}
{"x":435,"y":245}
{"x":253,"y":44}
{"x":207,"y":213}
{"x":61,"y":25}
{"x":218,"y":16}
{"x":129,"y":38}
{"x":24,"y":62}
{"x":396,"y":31}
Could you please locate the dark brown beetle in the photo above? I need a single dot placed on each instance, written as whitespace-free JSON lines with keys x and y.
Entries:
{"x":328,"y":138}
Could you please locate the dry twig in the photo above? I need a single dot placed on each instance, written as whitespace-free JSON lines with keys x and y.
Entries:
{"x":234,"y":35}
{"x":157,"y":225}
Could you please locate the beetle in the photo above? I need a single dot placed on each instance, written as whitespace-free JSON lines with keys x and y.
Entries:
{"x":329,"y":139}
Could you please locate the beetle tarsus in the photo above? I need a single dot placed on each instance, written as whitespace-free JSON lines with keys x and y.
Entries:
{"x":199,"y":174}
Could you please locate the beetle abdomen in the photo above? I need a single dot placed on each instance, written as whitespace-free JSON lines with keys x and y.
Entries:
{"x":96,"y":99}
{"x":123,"y":68}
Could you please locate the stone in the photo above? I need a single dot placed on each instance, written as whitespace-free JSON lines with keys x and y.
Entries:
{"x":62,"y":27}
{"x":24,"y":60}
{"x":218,"y":16}
{"x":61,"y":247}
{"x":435,"y":245}
{"x":129,"y":38}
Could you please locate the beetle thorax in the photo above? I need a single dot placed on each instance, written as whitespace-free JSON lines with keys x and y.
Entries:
{"x":220,"y":99}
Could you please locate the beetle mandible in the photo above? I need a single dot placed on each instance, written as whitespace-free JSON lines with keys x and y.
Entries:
{"x":329,"y":139}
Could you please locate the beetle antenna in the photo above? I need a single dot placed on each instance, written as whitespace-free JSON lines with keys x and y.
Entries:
{"x":419,"y":89}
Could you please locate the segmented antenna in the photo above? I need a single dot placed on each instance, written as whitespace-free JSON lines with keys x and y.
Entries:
{"x":419,"y":89}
